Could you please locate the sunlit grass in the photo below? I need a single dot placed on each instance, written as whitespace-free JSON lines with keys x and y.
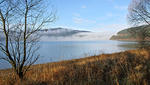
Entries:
{"x":123,"y":68}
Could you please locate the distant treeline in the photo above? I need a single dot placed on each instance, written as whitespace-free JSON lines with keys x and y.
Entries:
{"x":140,"y":33}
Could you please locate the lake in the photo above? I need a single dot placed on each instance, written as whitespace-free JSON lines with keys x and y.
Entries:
{"x":65,"y":50}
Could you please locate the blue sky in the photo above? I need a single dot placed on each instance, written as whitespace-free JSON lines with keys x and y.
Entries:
{"x":93,"y":15}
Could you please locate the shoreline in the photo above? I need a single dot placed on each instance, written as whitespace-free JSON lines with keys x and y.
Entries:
{"x":82,"y":71}
{"x":76,"y":60}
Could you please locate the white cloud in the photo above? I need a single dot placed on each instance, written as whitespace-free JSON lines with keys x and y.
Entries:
{"x":83,"y":6}
{"x":110,"y":0}
{"x":109,"y":15}
{"x":76,"y":37}
{"x":121,"y":7}
{"x":107,"y":30}
{"x":111,"y":27}
{"x":79,"y":20}
{"x":76,"y":14}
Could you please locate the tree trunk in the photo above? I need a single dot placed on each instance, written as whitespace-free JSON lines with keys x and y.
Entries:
{"x":20,"y":75}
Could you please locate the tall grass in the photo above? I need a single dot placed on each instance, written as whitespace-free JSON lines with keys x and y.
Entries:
{"x":123,"y":68}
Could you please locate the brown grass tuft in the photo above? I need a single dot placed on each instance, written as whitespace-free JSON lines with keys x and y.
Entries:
{"x":123,"y":68}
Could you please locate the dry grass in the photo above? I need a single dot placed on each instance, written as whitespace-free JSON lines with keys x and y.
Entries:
{"x":124,"y":68}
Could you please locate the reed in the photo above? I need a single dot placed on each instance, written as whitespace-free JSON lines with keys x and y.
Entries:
{"x":124,"y":68}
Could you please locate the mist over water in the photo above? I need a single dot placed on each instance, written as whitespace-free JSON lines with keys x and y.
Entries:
{"x":66,"y":50}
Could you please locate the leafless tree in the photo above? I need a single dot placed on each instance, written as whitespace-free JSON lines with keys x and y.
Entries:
{"x":20,"y":22}
{"x":139,"y":14}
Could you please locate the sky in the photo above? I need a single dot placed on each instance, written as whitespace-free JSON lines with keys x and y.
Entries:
{"x":106,"y":16}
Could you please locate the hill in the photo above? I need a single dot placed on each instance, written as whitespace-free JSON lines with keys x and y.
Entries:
{"x":133,"y":34}
{"x":66,"y":34}
{"x":61,"y":32}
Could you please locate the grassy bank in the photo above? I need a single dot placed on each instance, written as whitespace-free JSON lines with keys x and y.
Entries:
{"x":124,"y":68}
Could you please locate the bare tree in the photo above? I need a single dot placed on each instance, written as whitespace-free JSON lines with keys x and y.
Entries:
{"x":21,"y":20}
{"x":139,"y":14}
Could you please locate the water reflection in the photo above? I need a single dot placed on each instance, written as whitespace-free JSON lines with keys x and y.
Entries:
{"x":135,"y":45}
{"x":57,"y":51}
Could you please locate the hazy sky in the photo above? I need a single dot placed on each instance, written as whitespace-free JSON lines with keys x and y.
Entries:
{"x":94,"y":15}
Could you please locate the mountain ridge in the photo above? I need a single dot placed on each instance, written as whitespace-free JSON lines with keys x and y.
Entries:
{"x":66,"y":34}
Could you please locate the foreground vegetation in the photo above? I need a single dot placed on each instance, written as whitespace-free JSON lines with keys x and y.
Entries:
{"x":124,"y":68}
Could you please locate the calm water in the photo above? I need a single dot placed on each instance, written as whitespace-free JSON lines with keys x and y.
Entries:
{"x":57,"y":51}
